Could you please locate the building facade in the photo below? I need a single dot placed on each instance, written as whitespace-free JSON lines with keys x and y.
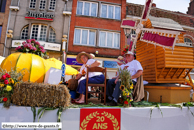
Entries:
{"x":4,"y":14}
{"x":95,"y":28}
{"x":46,"y":21}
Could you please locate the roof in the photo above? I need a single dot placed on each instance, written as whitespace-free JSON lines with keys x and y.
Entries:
{"x":165,"y":23}
{"x":161,"y":22}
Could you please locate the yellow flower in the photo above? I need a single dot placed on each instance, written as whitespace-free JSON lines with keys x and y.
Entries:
{"x":131,"y":87}
{"x":8,"y":88}
{"x":131,"y":100}
{"x":11,"y":81}
{"x":127,"y":94}
{"x":1,"y":85}
{"x":16,"y":83}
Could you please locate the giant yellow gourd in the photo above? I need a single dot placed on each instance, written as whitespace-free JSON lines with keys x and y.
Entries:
{"x":35,"y":66}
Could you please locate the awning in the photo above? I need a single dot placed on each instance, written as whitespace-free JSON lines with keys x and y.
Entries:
{"x":57,"y":63}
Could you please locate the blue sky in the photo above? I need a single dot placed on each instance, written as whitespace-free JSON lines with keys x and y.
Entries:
{"x":173,"y":5}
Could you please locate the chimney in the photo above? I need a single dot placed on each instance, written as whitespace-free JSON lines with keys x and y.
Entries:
{"x":153,"y":5}
{"x":191,"y":8}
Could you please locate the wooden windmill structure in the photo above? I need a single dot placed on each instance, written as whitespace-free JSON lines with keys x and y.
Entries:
{"x":163,"y":60}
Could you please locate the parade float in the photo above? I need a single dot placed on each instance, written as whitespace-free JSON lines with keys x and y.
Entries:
{"x":151,"y":116}
{"x":166,"y":60}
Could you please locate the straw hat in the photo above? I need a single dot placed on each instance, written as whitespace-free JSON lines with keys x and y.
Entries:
{"x":120,"y":60}
{"x":129,"y":53}
{"x":92,"y":55}
{"x":78,"y":58}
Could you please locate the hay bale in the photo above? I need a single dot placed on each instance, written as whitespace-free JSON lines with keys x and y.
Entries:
{"x":41,"y":95}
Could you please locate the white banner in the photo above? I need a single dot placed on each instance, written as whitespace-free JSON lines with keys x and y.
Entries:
{"x":133,"y":118}
{"x":46,"y":45}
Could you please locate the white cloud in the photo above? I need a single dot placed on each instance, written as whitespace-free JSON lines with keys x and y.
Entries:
{"x":178,"y":5}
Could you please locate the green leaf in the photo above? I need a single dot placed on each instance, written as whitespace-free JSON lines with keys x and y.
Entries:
{"x":33,"y":109}
{"x":158,"y":106}
{"x":41,"y":114}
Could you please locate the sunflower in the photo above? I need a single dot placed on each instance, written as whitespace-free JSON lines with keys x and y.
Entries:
{"x":11,"y":81}
{"x":122,"y":87}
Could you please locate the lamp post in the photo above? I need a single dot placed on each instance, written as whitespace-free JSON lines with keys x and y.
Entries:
{"x":64,"y":41}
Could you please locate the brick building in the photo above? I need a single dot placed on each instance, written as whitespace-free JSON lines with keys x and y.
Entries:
{"x":47,"y":21}
{"x":95,"y":28}
{"x":4,"y":14}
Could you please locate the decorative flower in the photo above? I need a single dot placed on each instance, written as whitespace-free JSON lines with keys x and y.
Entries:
{"x":4,"y":99}
{"x":1,"y":85}
{"x":131,"y":100}
{"x":122,"y":87}
{"x":7,"y":75}
{"x":32,"y":46}
{"x":131,"y":87}
{"x":28,"y":41}
{"x":37,"y":43}
{"x":126,"y":48}
{"x":126,"y":102}
{"x":8,"y":88}
{"x":3,"y":77}
{"x":6,"y":82}
{"x":11,"y":81}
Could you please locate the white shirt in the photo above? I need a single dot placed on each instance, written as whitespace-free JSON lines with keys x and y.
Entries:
{"x":133,"y":67}
{"x":91,"y":74}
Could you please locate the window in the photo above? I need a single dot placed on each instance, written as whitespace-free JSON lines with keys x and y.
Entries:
{"x":52,"y":4}
{"x":109,"y":39}
{"x":52,"y":35}
{"x":110,"y":11}
{"x":32,"y":4}
{"x":39,"y":32}
{"x":84,"y":37}
{"x":2,"y":5}
{"x":24,"y":33}
{"x":188,"y":41}
{"x":42,"y":4}
{"x":87,"y":8}
{"x":0,"y":31}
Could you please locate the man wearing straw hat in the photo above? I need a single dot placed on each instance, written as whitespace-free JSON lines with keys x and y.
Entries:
{"x":94,"y":77}
{"x":136,"y":71}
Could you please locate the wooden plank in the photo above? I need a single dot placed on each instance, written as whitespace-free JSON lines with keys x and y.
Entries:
{"x":175,"y":73}
{"x":178,"y":56}
{"x":179,"y":59}
{"x":161,"y":72}
{"x":180,"y":50}
{"x":167,"y":87}
{"x":179,"y":53}
{"x":168,"y":73}
{"x":179,"y":66}
{"x":191,"y":81}
{"x":188,"y":73}
{"x":179,"y":63}
{"x":181,"y":73}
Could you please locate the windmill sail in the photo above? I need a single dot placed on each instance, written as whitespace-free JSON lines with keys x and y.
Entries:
{"x":146,"y":10}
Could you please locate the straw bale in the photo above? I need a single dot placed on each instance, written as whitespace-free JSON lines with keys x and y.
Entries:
{"x":41,"y":95}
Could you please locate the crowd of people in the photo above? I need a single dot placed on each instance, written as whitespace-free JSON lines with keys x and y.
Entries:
{"x":113,"y":85}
